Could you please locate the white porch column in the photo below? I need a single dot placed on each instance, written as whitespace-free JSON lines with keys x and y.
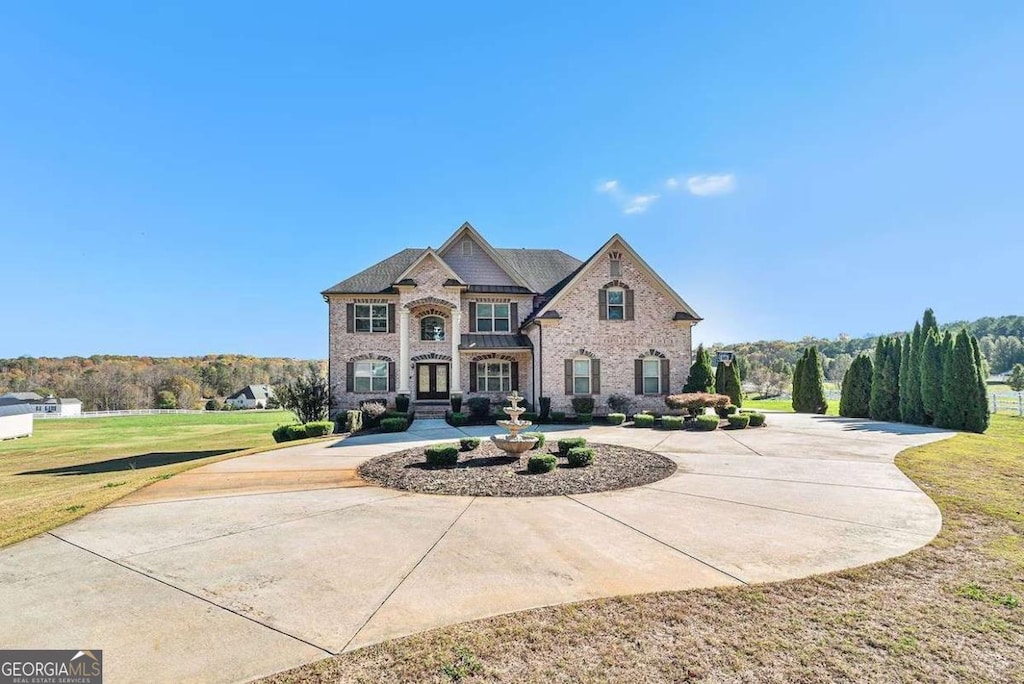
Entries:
{"x":403,"y":351}
{"x":456,"y":372}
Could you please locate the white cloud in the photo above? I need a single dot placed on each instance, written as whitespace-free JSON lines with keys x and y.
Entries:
{"x":704,"y":186}
{"x":638,"y":204}
{"x":672,"y":183}
{"x":608,"y":186}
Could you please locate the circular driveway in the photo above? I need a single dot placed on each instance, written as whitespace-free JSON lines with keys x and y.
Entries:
{"x":260,"y":563}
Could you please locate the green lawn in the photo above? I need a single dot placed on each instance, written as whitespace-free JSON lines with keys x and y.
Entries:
{"x":952,"y":611}
{"x":71,"y":467}
{"x":785,"y":405}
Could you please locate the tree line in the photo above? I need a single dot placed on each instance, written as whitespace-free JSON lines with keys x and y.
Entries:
{"x":106,"y":383}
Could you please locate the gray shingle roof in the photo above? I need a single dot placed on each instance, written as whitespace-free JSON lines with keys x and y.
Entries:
{"x":485,"y":341}
{"x":380,"y":276}
{"x":540,"y":268}
{"x":22,"y":396}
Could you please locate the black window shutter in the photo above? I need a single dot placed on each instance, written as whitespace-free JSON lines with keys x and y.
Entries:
{"x":515,"y":374}
{"x":350,"y":318}
{"x":665,"y":389}
{"x":638,"y":376}
{"x":629,"y":305}
{"x":595,"y":376}
{"x":472,"y":317}
{"x":350,"y":376}
{"x":513,"y":314}
{"x":602,"y":304}
{"x":391,"y":318}
{"x":391,"y":376}
{"x":568,"y":376}
{"x":472,"y":376}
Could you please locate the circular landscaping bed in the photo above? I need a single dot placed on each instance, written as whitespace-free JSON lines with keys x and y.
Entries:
{"x":488,"y":471}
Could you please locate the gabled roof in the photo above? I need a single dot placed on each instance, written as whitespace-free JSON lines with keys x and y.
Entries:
{"x":541,"y":268}
{"x":429,"y":251}
{"x":254,"y":392}
{"x":467,"y":229}
{"x":22,"y":396}
{"x":686,"y":312}
{"x":380,"y":277}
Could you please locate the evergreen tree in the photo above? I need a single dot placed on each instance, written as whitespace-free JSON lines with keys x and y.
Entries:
{"x":978,"y":417}
{"x":914,"y":377}
{"x":906,"y":403}
{"x":856,"y":396}
{"x":702,"y":377}
{"x":798,"y":373}
{"x":811,"y":397}
{"x":885,"y":381}
{"x":948,"y":415}
{"x":928,"y":322}
{"x":720,"y":372}
{"x":931,"y":375}
{"x":730,"y":374}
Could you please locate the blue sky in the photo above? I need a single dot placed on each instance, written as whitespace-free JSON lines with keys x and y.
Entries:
{"x":185,"y":180}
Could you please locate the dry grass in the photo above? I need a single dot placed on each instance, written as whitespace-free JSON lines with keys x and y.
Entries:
{"x":71,"y":467}
{"x":952,"y":611}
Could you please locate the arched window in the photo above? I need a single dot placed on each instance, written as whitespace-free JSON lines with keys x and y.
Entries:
{"x":432,"y":328}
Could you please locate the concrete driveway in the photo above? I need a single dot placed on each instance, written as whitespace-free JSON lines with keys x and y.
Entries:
{"x":260,"y":563}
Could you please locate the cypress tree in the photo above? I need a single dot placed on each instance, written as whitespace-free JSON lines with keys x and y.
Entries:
{"x":856,"y":396}
{"x":702,"y":377}
{"x":811,"y":398}
{"x":931,"y":375}
{"x":731,"y":382}
{"x":798,"y":376}
{"x":928,"y":322}
{"x":978,"y":416}
{"x":948,"y":414}
{"x":914,"y":377}
{"x":906,"y":403}
{"x":885,"y":381}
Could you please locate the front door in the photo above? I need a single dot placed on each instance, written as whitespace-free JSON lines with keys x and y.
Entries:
{"x":432,"y":381}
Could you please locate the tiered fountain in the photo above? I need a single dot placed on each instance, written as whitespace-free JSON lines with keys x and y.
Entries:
{"x":514,"y":443}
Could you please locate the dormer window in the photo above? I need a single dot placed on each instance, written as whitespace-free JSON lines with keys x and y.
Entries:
{"x":616,"y":304}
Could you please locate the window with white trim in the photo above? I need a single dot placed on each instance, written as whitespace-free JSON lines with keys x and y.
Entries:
{"x":492,"y":317}
{"x":493,"y":376}
{"x":652,"y":375}
{"x":616,"y":304}
{"x":581,"y":376}
{"x":370,"y":376}
{"x":432,"y":329}
{"x":371,"y":317}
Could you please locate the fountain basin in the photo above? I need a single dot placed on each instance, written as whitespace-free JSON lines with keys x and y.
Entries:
{"x":519,"y":425}
{"x":514,"y":445}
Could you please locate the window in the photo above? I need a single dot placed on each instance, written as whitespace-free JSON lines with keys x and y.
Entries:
{"x":371,"y":318}
{"x":492,"y":318}
{"x":581,"y":376}
{"x":432,"y":328}
{"x":371,"y":376}
{"x":493,"y":376}
{"x":616,"y":268}
{"x":652,"y":376}
{"x":616,"y":304}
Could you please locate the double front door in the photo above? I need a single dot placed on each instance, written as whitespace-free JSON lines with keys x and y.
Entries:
{"x":432,"y":381}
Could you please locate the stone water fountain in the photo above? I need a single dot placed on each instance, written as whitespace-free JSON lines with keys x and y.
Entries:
{"x":514,"y":443}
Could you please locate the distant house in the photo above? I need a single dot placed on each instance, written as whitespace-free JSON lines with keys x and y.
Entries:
{"x":15,"y":420}
{"x":15,"y":398}
{"x":56,"y":406}
{"x":726,"y":357}
{"x":251,"y":397}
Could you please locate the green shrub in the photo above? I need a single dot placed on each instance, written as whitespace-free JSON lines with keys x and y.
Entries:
{"x":543,"y":463}
{"x":616,"y":418}
{"x":394,"y":425}
{"x":580,"y":457}
{"x":295,"y":432}
{"x":442,"y":454}
{"x":541,"y":439}
{"x":479,"y":407}
{"x":582,"y":405}
{"x":557,"y":416}
{"x":706,"y":423}
{"x":280,"y":433}
{"x":213,"y":405}
{"x":353,"y":421}
{"x":570,"y":443}
{"x":620,"y":403}
{"x":756,"y":419}
{"x":672,"y":422}
{"x":458,"y":419}
{"x":545,"y":407}
{"x":469,"y":443}
{"x":530,"y":416}
{"x":319,"y":428}
{"x":397,"y":414}
{"x":643,"y":420}
{"x":585,"y":418}
{"x":726,"y":411}
{"x":739,"y":421}
{"x":696,"y":402}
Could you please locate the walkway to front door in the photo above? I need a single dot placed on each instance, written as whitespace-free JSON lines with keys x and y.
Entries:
{"x":432,"y":381}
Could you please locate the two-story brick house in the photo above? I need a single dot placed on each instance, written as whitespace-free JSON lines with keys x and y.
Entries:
{"x":470,"y":319}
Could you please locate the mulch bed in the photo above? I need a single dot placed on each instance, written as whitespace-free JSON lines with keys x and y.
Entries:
{"x":488,"y":471}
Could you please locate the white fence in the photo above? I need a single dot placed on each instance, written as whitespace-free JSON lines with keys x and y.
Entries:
{"x":128,"y":412}
{"x":1009,"y":402}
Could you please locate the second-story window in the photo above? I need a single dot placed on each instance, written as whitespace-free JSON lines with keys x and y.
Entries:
{"x":616,"y":304}
{"x":371,"y":318}
{"x":492,"y":317}
{"x":432,"y":328}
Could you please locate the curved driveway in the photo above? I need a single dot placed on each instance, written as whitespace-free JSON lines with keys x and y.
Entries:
{"x":260,"y":563}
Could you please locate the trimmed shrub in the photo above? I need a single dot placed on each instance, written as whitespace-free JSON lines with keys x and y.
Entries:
{"x":543,"y":463}
{"x":672,"y":422}
{"x":582,"y":405}
{"x":643,"y":420}
{"x":456,"y":402}
{"x":373,"y":411}
{"x":353,"y":420}
{"x":696,"y":402}
{"x":739,"y":421}
{"x":616,"y":418}
{"x":319,"y":428}
{"x":442,"y":454}
{"x":469,"y":443}
{"x":280,"y":433}
{"x":394,"y":425}
{"x":545,"y":407}
{"x":701,"y":378}
{"x":727,"y":381}
{"x":705,"y":423}
{"x":541,"y":439}
{"x":479,"y":407}
{"x":402,"y":403}
{"x":530,"y":416}
{"x":726,"y":411}
{"x":756,"y":419}
{"x":570,"y":443}
{"x":620,"y":403}
{"x":295,"y":432}
{"x":458,"y":419}
{"x":580,"y":457}
{"x":585,"y":417}
{"x":557,"y":416}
